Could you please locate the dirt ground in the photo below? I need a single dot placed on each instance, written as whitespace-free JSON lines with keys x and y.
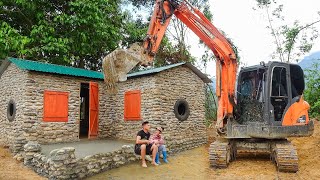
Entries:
{"x":11,"y":169}
{"x":193,"y":164}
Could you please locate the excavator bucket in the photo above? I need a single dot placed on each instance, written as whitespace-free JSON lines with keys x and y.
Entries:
{"x":118,"y":63}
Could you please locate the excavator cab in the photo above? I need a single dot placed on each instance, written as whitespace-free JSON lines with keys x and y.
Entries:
{"x":270,"y":103}
{"x":270,"y":108}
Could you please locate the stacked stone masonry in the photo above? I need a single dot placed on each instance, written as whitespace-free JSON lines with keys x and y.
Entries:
{"x":159,"y":92}
{"x":12,"y":86}
{"x":62,"y":163}
{"x":158,"y":96}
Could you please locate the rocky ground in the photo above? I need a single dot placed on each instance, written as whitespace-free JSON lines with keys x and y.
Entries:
{"x":193,"y":164}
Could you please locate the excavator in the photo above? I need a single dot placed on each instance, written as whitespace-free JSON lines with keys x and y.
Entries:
{"x":258,"y":109}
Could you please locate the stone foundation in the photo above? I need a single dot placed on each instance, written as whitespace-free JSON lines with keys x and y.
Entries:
{"x":62,"y":163}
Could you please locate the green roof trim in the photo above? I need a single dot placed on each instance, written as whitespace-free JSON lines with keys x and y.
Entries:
{"x":71,"y":71}
{"x":55,"y":69}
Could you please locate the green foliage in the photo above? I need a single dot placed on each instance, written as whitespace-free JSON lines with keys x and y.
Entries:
{"x":11,"y":42}
{"x":169,"y":53}
{"x":76,"y":32}
{"x":292,"y":41}
{"x":312,"y":92}
{"x":134,"y":29}
{"x":209,"y":56}
{"x":174,"y":48}
{"x":210,"y":106}
{"x":178,"y":32}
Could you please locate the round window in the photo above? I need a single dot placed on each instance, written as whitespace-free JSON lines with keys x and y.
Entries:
{"x":181,"y":110}
{"x":11,"y":110}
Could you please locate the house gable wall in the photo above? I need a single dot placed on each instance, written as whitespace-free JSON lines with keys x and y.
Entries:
{"x":54,"y":132}
{"x":181,"y":83}
{"x":113,"y":124}
{"x":12,"y":86}
{"x":158,"y":96}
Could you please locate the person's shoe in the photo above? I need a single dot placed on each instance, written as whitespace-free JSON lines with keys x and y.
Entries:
{"x":164,"y":153}
{"x":155,"y":164}
{"x":148,"y":158}
{"x":157,"y":158}
{"x":144,"y":164}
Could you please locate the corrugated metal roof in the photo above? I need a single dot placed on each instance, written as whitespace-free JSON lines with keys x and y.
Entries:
{"x":55,"y":69}
{"x":154,"y":70}
{"x":71,"y":71}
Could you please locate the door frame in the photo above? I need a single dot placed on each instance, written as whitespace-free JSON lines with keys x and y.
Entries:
{"x":79,"y":119}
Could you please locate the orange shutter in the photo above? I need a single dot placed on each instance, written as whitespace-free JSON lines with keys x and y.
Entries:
{"x":132,"y":105}
{"x":94,"y":110}
{"x":55,"y":106}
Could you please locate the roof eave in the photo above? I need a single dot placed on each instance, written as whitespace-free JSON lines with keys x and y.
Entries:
{"x":5,"y":64}
{"x":202,"y":76}
{"x":195,"y":70}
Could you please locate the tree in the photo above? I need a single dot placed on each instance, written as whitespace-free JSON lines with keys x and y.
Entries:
{"x":75,"y":32}
{"x":292,"y":41}
{"x":11,"y":41}
{"x":133,"y":30}
{"x":312,"y":92}
{"x":174,"y":47}
{"x":179,"y":32}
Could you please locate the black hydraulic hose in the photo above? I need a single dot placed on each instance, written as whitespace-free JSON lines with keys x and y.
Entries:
{"x":165,"y":16}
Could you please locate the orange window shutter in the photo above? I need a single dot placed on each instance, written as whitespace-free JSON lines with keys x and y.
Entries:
{"x":55,"y":107}
{"x":132,"y":105}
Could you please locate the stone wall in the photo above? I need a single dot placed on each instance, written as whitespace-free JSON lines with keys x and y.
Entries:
{"x":159,"y":93}
{"x":12,"y":86}
{"x":114,"y":123}
{"x":53,"y":132}
{"x":27,"y":88}
{"x":63,"y":164}
{"x":182,"y":83}
{"x":98,"y":163}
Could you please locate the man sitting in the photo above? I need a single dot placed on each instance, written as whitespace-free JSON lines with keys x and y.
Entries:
{"x":143,"y":146}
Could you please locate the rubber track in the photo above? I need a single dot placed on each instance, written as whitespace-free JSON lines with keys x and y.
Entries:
{"x":286,"y":157}
{"x":219,"y":154}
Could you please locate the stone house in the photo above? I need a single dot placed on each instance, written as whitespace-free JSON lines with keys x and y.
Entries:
{"x":52,"y":104}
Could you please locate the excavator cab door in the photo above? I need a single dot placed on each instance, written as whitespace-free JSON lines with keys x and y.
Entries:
{"x":279,"y":92}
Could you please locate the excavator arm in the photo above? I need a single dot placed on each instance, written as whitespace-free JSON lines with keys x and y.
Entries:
{"x":226,"y":62}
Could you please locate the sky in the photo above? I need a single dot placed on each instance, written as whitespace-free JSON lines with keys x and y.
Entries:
{"x":247,"y":27}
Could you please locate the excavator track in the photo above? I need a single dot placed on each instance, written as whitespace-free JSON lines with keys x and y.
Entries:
{"x":285,"y":157}
{"x":220,"y":154}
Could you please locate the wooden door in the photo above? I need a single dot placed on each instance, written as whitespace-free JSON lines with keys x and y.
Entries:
{"x":93,"y":110}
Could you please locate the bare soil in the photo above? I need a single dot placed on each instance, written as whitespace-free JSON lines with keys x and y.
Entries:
{"x":11,"y":169}
{"x":194,"y":164}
